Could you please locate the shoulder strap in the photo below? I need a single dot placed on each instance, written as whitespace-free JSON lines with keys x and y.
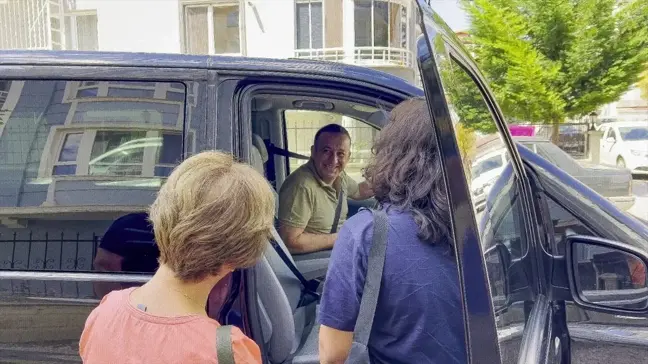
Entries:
{"x":338,"y":210}
{"x":224,"y":351}
{"x":375,"y":265}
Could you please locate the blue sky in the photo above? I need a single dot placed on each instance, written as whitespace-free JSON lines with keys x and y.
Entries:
{"x":451,"y":12}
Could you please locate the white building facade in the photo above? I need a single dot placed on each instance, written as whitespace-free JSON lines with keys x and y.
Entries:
{"x":375,"y":33}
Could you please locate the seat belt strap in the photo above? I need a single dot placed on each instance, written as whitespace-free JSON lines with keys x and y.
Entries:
{"x":338,"y":210}
{"x":273,"y":149}
{"x":310,"y":294}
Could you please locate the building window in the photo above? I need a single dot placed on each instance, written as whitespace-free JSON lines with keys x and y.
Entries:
{"x":380,"y":23}
{"x":118,"y":152}
{"x":81,"y":31}
{"x":213,"y":28}
{"x":309,"y":29}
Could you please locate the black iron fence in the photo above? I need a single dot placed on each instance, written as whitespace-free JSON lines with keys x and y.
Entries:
{"x":49,"y":252}
{"x":572,"y":137}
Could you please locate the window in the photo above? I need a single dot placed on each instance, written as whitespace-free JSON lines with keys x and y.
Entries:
{"x":302,"y":125}
{"x":309,"y":25}
{"x":502,"y":223}
{"x":4,"y":92}
{"x":81,"y":31}
{"x":213,"y":28}
{"x":380,"y":23}
{"x":612,"y":134}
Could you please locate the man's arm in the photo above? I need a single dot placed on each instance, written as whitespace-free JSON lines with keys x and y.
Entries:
{"x":300,"y":242}
{"x":334,"y":345}
{"x":363,"y":191}
{"x":106,"y":261}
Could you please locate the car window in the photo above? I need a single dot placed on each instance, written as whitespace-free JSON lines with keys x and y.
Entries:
{"x":612,"y":134}
{"x":501,"y":220}
{"x":75,"y":157}
{"x":301,"y":126}
{"x":487,"y":165}
{"x":634,"y":133}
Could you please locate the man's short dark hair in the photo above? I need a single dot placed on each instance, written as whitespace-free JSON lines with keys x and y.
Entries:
{"x":331,"y":128}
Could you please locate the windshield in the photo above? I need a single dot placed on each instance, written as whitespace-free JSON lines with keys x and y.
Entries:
{"x":634,"y":133}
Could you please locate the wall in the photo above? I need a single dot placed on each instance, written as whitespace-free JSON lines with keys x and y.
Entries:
{"x":136,"y":25}
{"x":270,"y":28}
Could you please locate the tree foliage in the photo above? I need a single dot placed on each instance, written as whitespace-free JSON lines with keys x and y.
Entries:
{"x":548,"y":60}
{"x":643,"y":85}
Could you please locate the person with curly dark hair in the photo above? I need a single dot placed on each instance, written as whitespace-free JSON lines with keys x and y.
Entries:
{"x":418,"y":317}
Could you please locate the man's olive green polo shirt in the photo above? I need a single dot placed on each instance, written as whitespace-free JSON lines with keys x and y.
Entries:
{"x":305,"y":201}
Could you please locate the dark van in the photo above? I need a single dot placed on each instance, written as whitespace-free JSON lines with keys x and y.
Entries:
{"x":551,"y":271}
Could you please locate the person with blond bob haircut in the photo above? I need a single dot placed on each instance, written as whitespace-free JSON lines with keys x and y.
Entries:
{"x":212,"y":216}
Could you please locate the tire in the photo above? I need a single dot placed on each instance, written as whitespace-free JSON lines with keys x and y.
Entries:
{"x":621,"y":162}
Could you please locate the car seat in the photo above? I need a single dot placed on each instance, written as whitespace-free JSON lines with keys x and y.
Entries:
{"x":289,"y":333}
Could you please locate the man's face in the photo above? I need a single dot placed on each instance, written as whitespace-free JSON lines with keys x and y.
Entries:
{"x":330,"y":155}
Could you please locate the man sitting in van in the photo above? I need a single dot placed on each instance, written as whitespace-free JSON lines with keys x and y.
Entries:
{"x":312,"y":200}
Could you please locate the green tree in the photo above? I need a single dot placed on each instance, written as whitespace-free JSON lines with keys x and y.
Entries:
{"x":643,"y":85}
{"x":549,"y":60}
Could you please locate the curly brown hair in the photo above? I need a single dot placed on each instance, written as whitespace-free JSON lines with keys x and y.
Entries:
{"x":405,"y":171}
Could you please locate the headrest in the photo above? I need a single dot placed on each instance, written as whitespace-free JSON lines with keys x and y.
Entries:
{"x":379,"y":118}
{"x":258,"y":142}
{"x":257,"y":160}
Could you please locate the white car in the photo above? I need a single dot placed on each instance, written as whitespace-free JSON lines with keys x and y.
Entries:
{"x":625,"y":144}
{"x":485,"y":171}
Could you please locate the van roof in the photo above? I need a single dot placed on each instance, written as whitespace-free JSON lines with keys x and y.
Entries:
{"x":168,"y":60}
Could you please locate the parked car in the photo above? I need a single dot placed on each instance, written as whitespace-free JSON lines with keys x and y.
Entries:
{"x":538,"y":283}
{"x":625,"y":144}
{"x":613,"y":183}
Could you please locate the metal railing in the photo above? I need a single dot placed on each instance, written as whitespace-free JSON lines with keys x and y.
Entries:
{"x":322,"y":54}
{"x":3,"y":97}
{"x":368,"y":56}
{"x":51,"y":253}
{"x":383,"y":56}
{"x":25,"y":24}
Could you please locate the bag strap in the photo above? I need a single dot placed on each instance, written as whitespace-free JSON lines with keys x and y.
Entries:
{"x":224,"y":351}
{"x":338,"y":210}
{"x":375,"y":265}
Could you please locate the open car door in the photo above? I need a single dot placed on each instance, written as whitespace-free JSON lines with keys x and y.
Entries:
{"x":507,"y":315}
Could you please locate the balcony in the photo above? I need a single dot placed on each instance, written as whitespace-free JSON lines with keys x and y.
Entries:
{"x":363,"y":56}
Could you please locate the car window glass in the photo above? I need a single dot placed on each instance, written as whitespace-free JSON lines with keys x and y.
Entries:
{"x":634,"y":133}
{"x":496,"y":204}
{"x":612,"y":134}
{"x":80,"y":161}
{"x":564,"y":224}
{"x":301,"y":126}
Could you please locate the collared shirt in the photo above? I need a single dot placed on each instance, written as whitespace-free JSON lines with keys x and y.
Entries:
{"x":305,"y":201}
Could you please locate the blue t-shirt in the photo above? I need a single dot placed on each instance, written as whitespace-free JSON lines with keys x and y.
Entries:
{"x":418,"y":317}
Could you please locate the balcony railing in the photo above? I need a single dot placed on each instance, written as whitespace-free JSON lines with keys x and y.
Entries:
{"x":322,"y":54}
{"x":383,"y":56}
{"x":368,"y":56}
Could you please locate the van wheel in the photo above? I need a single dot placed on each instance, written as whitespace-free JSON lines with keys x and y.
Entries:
{"x":621,"y":162}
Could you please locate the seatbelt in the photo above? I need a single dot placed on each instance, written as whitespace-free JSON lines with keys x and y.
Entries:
{"x":338,"y":210}
{"x":309,"y":292}
{"x":359,"y":353}
{"x":273,"y":149}
{"x":224,"y":350}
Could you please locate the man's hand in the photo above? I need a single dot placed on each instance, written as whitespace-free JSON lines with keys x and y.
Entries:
{"x":364,"y":191}
{"x":334,"y":345}
{"x":300,"y":242}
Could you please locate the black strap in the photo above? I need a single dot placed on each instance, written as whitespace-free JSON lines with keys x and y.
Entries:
{"x":273,"y":149}
{"x":338,"y":210}
{"x":224,"y":350}
{"x":309,"y":292}
{"x":375,"y":265}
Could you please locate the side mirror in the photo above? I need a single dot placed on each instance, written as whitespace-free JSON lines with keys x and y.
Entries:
{"x":610,"y":140}
{"x":607,"y":275}
{"x":497,"y":263}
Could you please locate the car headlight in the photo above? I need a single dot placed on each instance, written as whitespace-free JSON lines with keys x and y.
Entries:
{"x":638,"y":153}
